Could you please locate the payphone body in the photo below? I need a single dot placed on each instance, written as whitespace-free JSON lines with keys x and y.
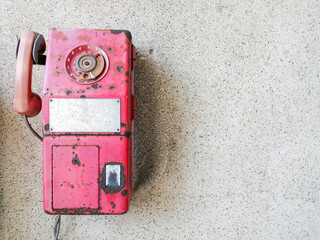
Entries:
{"x":88,"y":111}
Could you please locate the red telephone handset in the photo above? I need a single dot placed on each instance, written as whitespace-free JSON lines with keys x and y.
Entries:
{"x":30,"y":45}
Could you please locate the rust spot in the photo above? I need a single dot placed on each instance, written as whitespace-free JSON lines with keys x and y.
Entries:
{"x":83,"y":96}
{"x":127,"y":134}
{"x":57,"y":73}
{"x":71,"y":186}
{"x":123,"y":125}
{"x":84,"y":38}
{"x":119,"y":68}
{"x":109,"y":48}
{"x":104,"y":31}
{"x":85,"y":135}
{"x":68,"y":92}
{"x":77,"y":211}
{"x":124,"y":193}
{"x":61,"y":36}
{"x":47,"y":127}
{"x":127,"y":74}
{"x":112,"y":87}
{"x":95,"y":86}
{"x":59,"y":58}
{"x":113,"y":204}
{"x":126,"y":32}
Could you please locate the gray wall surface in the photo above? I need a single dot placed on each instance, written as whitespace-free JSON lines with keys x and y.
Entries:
{"x":227,"y":127}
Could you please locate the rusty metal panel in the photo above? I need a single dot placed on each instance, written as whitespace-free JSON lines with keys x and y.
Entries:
{"x":75,"y":175}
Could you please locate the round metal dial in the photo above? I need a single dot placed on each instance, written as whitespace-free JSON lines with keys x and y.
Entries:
{"x":87,"y":64}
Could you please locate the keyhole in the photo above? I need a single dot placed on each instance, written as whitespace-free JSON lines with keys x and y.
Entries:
{"x":76,"y":161}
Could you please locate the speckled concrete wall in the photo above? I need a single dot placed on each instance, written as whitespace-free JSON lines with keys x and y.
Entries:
{"x":228,"y":130}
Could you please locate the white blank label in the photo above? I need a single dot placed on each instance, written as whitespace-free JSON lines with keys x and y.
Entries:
{"x":84,"y":115}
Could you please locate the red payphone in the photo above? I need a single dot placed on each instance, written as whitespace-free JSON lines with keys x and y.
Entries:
{"x":88,"y":110}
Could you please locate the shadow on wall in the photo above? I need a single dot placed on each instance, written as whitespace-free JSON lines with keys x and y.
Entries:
{"x":155,"y":124}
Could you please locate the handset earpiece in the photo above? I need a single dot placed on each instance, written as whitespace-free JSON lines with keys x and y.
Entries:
{"x":30,"y":47}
